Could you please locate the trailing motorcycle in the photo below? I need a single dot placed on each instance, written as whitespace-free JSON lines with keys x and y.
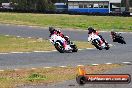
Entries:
{"x":58,"y":43}
{"x":117,"y":38}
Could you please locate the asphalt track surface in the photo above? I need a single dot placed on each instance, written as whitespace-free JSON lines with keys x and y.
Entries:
{"x":117,"y":54}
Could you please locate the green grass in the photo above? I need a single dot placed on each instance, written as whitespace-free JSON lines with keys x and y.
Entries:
{"x":12,"y":78}
{"x":14,"y":44}
{"x":69,"y":21}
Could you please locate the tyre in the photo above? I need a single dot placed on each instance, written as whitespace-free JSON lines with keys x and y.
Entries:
{"x":123,"y":41}
{"x":96,"y":44}
{"x":81,"y":80}
{"x":107,"y":46}
{"x":59,"y":46}
{"x":74,"y":47}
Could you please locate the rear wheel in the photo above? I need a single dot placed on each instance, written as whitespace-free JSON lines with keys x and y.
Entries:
{"x":107,"y":46}
{"x":59,"y":46}
{"x":123,"y":41}
{"x":74,"y":48}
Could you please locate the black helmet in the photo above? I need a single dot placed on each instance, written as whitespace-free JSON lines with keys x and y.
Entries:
{"x":112,"y":32}
{"x":90,"y":28}
{"x":51,"y":29}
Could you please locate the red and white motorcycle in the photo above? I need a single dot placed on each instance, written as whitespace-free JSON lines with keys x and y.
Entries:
{"x":62,"y":45}
{"x":97,"y":42}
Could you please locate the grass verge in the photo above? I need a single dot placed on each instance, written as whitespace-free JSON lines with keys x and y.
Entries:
{"x":69,"y":21}
{"x":12,"y":78}
{"x":14,"y":44}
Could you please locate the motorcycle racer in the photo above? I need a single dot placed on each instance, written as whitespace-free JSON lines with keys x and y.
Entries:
{"x":114,"y":35}
{"x":92,"y":30}
{"x":56,"y":35}
{"x":93,"y":34}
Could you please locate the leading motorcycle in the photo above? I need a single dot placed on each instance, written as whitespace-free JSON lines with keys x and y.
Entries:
{"x":58,"y":43}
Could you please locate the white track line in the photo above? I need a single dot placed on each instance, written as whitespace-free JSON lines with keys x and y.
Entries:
{"x":33,"y":68}
{"x":41,"y":51}
{"x":126,"y":62}
{"x":47,"y":67}
{"x":6,"y":35}
{"x":53,"y":50}
{"x":1,"y":70}
{"x":62,"y":66}
{"x":95,"y":64}
{"x":80,"y":65}
{"x":27,"y":52}
{"x":111,"y":45}
{"x":17,"y":52}
{"x":4,"y":53}
{"x":29,"y":37}
{"x":37,"y":51}
{"x":18,"y":36}
{"x":90,"y":48}
{"x":80,"y":49}
{"x":17,"y":69}
{"x":108,"y":63}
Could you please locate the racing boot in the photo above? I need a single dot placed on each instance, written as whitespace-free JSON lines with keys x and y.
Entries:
{"x":67,"y":47}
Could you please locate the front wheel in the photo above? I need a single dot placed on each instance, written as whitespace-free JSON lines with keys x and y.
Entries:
{"x":59,"y":46}
{"x":96,"y":44}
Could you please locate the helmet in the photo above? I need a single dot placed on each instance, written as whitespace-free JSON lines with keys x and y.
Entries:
{"x":112,"y":32}
{"x":58,"y":31}
{"x":51,"y":29}
{"x":90,"y":30}
{"x":66,"y":38}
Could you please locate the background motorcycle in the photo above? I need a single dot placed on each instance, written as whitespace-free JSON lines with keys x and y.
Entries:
{"x":118,"y":38}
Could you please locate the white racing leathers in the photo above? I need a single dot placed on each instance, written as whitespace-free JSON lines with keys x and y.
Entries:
{"x":93,"y":36}
{"x":55,"y":37}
